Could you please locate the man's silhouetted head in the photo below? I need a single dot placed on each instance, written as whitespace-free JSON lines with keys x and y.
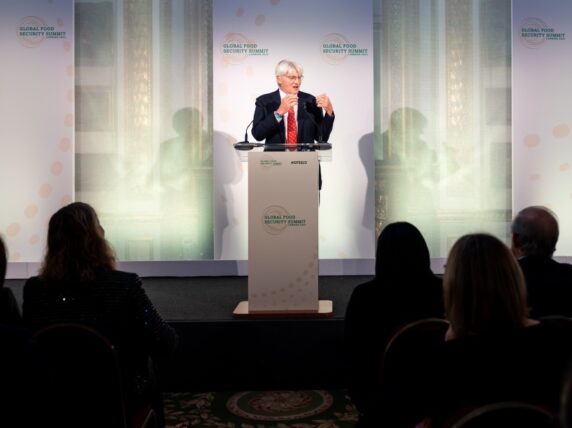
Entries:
{"x":534,"y":232}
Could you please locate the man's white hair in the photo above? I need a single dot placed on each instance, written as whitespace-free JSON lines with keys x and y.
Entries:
{"x":284,"y":66}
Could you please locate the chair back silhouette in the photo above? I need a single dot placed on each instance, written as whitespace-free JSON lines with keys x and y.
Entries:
{"x":409,"y":346}
{"x":505,"y":414}
{"x":562,"y":318}
{"x":87,"y":377}
{"x":405,"y":364}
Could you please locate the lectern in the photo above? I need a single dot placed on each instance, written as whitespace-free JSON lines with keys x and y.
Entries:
{"x":283,"y":264}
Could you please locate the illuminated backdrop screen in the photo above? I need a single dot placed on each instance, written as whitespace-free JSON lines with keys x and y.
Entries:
{"x":447,"y":115}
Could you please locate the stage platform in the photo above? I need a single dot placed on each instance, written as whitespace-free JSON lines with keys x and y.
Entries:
{"x":219,"y":352}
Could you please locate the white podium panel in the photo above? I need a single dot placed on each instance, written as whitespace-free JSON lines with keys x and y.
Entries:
{"x":283,"y":201}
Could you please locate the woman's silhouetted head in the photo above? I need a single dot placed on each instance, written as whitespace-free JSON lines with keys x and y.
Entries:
{"x":401,"y":252}
{"x":76,"y":248}
{"x":484,"y":288}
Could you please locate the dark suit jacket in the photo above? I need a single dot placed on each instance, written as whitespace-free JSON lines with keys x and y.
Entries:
{"x":549,"y":286}
{"x":266,"y":127}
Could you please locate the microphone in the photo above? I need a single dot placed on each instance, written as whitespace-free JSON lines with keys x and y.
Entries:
{"x":245,"y":144}
{"x":257,"y":104}
{"x":246,"y":133}
{"x":318,"y":128}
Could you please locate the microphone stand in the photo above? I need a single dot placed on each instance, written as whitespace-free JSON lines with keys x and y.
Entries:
{"x":318,"y":128}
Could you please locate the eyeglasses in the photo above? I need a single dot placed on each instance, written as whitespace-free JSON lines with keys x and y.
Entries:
{"x":294,"y":78}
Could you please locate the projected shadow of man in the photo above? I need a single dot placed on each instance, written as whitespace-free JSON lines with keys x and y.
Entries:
{"x":406,"y":172}
{"x":365,"y":148}
{"x":181,"y":155}
{"x":185,"y":176}
{"x":230,"y":210}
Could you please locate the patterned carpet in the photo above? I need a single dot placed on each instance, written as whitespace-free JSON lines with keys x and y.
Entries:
{"x":260,"y":409}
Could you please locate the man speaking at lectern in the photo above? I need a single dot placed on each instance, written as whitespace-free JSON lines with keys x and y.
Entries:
{"x":289,"y":116}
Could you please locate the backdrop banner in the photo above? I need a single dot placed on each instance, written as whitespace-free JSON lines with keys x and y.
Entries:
{"x":37,"y":111}
{"x":542,"y":110}
{"x":333,"y":42}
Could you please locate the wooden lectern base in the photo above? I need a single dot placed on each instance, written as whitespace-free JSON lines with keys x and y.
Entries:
{"x":325,"y":310}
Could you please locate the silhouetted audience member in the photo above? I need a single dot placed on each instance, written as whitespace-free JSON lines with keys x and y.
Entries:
{"x":78,"y":283}
{"x":404,"y":289}
{"x":9,"y":309}
{"x":566,"y":400}
{"x":493,"y":352}
{"x":25,"y":386}
{"x":549,"y":283}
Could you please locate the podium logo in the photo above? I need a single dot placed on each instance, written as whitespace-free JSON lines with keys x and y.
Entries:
{"x":267,"y":161}
{"x":276,"y":219}
{"x":534,"y":33}
{"x":32,"y":31}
